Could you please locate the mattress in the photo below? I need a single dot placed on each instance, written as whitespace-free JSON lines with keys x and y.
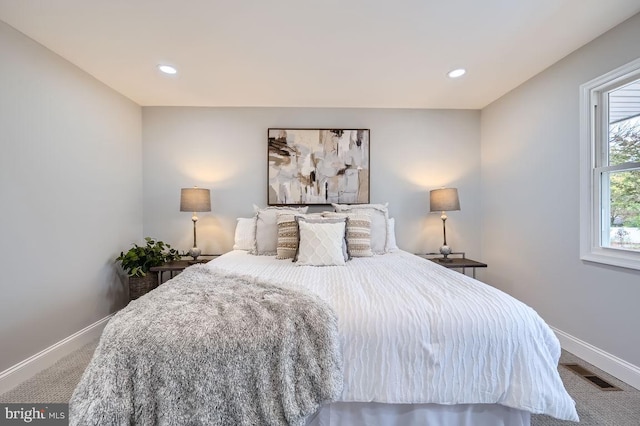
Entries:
{"x":414,"y":332}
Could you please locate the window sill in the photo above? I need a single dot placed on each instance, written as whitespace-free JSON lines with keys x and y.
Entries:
{"x":614,"y":257}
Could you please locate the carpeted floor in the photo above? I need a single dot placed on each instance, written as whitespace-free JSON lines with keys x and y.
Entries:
{"x":595,"y":407}
{"x":56,"y":383}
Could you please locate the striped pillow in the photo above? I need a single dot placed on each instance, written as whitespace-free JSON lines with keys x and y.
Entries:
{"x":287,"y":236}
{"x":379,"y":222}
{"x":358,"y":233}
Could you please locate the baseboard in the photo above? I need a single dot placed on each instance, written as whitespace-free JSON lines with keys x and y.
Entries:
{"x":31,"y":366}
{"x":619,"y":368}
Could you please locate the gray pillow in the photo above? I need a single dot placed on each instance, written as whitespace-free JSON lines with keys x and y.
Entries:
{"x":267,"y":228}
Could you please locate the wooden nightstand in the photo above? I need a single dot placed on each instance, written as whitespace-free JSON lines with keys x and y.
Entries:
{"x":455,"y":262}
{"x":178,"y":266}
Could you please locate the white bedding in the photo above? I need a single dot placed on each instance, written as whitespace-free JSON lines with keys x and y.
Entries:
{"x":400,"y":315}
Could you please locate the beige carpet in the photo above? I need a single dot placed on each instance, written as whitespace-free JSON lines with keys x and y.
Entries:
{"x":595,"y":407}
{"x":56,"y":383}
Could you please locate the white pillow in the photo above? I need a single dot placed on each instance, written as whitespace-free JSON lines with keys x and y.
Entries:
{"x":379,"y":222}
{"x":245,"y":237}
{"x":391,"y":235}
{"x":319,"y":218}
{"x":321,"y":244}
{"x":267,"y":228}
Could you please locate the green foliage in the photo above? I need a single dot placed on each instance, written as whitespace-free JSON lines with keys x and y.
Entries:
{"x":139,"y":259}
{"x":624,"y":147}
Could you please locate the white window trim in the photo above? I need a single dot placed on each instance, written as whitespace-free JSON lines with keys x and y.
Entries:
{"x":590,"y":214}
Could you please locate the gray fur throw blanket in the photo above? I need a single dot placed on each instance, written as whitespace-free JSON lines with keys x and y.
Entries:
{"x":209,"y":348}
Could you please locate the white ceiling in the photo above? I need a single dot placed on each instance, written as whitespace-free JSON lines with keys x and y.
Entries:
{"x":315,"y":53}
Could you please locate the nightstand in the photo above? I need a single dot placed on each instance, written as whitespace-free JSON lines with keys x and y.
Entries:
{"x":178,"y":266}
{"x":455,"y":262}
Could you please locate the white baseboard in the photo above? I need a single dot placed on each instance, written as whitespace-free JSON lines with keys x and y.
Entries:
{"x":28,"y":368}
{"x":611,"y":364}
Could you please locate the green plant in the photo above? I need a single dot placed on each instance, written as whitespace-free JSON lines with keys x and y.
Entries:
{"x":139,"y":259}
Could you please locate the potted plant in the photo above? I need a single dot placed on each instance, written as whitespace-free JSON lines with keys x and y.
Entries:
{"x":139,"y":259}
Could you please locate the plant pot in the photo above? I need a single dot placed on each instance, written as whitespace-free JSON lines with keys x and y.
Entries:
{"x":139,"y":286}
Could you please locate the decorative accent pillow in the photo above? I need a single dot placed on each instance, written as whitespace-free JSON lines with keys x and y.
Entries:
{"x":245,"y":236}
{"x":288,"y":236}
{"x":321,"y":243}
{"x":391,"y":235}
{"x":318,"y":218}
{"x":379,"y":222}
{"x":358,"y":233}
{"x":267,"y":228}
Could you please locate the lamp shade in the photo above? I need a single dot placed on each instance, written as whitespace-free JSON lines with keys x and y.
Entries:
{"x":195,"y":200}
{"x":444,"y":200}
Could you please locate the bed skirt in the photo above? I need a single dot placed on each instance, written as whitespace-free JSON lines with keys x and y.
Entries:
{"x":379,"y":414}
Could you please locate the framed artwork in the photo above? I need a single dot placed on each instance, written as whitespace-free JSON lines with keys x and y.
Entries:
{"x":318,"y":166}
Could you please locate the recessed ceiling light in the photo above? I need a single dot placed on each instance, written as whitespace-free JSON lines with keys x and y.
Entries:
{"x":167,"y":69}
{"x":459,"y":72}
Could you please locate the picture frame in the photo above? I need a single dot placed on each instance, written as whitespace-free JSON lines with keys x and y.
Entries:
{"x":318,"y":166}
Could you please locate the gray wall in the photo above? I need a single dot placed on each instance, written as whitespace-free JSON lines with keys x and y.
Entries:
{"x":530,"y":198}
{"x":70,"y":191}
{"x":225,"y":149}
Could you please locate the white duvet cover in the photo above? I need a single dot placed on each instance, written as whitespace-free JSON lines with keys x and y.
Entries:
{"x":413,"y":331}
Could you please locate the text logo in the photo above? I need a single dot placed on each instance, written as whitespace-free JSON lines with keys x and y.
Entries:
{"x":37,"y":414}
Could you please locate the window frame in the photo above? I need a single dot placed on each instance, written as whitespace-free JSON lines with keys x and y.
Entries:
{"x":594,"y":144}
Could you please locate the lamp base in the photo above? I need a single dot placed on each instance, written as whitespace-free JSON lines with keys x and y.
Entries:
{"x":195,"y":252}
{"x":445,"y":251}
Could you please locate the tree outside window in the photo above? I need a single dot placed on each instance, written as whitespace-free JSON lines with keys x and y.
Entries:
{"x":624,"y":186}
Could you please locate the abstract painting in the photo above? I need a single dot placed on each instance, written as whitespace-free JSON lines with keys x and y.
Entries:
{"x":318,"y":166}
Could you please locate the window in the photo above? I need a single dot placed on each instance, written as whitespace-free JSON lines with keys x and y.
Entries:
{"x":610,"y":173}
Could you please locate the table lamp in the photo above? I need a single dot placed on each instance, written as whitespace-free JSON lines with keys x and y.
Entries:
{"x":195,"y":200}
{"x":444,"y":200}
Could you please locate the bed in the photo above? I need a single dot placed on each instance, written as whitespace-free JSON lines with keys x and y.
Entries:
{"x":320,"y":320}
{"x":424,"y":344}
{"x":420,"y":344}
